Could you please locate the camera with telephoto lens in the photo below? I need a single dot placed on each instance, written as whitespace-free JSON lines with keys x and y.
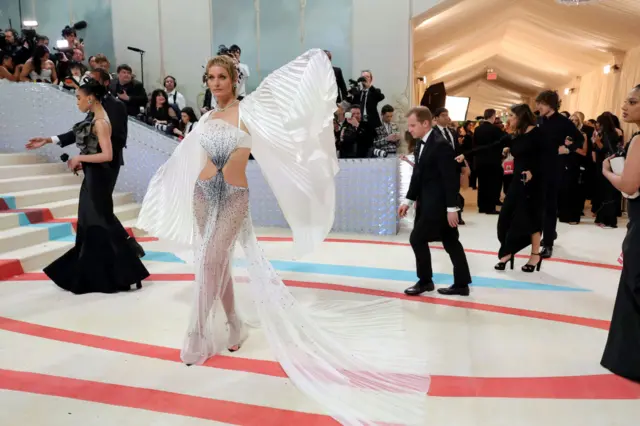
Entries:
{"x":355,"y":87}
{"x":379,"y":153}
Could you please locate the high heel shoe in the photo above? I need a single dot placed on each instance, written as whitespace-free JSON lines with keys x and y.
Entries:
{"x":529,"y":268}
{"x":501,"y":266}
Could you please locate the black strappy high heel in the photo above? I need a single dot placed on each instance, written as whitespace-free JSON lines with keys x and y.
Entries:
{"x":501,"y":266}
{"x":529,"y":268}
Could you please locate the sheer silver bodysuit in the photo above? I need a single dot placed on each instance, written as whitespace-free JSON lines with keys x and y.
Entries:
{"x":220,"y":211}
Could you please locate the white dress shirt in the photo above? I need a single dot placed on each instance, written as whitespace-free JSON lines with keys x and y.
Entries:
{"x":242,"y":83}
{"x":410,"y":203}
{"x":176,"y":97}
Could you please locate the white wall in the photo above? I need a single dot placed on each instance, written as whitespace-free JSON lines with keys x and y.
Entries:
{"x":381,"y":43}
{"x":177,"y":39}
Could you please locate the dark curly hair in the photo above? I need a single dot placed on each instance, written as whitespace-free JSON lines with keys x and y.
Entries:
{"x":550,"y":98}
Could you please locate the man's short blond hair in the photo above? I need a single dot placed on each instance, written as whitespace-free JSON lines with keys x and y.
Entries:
{"x":422,"y":113}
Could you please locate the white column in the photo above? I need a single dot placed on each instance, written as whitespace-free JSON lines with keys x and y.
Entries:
{"x":187,"y":44}
{"x":381,"y":43}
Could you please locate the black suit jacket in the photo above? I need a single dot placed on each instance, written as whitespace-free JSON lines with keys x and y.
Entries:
{"x":117,"y":113}
{"x":457,"y":148}
{"x":137,"y":95}
{"x":435,"y":183}
{"x":487,"y":135}
{"x":374,"y":97}
{"x":342,"y":86}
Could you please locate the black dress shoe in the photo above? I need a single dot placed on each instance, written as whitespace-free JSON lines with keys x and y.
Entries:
{"x":546,"y":252}
{"x":454,"y":291}
{"x":420,"y":288}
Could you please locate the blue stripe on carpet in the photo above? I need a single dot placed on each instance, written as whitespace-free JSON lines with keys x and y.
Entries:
{"x":408,"y":276}
{"x":57,"y":231}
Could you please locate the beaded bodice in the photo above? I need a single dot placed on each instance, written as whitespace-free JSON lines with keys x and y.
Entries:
{"x":220,"y":139}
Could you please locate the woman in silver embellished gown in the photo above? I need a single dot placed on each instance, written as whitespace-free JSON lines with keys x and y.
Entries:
{"x":350,"y":357}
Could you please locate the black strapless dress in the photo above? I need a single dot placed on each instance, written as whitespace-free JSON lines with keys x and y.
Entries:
{"x":622,"y":352}
{"x":101,"y":261}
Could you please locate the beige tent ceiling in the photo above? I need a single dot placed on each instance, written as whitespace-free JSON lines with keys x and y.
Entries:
{"x":531,"y":44}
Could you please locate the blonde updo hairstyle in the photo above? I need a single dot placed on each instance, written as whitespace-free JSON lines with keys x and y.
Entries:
{"x":227,"y":63}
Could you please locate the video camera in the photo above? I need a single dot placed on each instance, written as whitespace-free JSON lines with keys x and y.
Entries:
{"x":355,"y":87}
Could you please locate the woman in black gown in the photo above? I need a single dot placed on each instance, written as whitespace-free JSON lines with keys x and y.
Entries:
{"x":606,"y":143}
{"x":522,"y":213}
{"x":101,"y":260}
{"x":622,"y":352}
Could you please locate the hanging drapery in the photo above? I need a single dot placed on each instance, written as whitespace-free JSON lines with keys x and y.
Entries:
{"x":303,"y":9}
{"x":256,"y":7}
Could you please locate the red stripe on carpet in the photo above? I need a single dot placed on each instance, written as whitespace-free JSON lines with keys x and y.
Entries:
{"x":156,"y":400}
{"x":10,"y":268}
{"x":35,"y":215}
{"x":572,"y":387}
{"x":527,"y":313}
{"x":3,"y":205}
{"x":471,"y":251}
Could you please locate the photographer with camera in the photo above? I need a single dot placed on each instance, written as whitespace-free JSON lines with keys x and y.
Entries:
{"x":356,"y":139}
{"x":363,"y":92}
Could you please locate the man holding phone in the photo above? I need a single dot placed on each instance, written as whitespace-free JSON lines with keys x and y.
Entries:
{"x":356,"y":137}
{"x":387,"y":134}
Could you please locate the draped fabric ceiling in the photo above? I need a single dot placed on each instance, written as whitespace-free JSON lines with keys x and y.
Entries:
{"x":531,"y":44}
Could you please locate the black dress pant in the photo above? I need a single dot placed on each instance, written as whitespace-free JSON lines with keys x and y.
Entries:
{"x":117,"y":227}
{"x":489,"y":187}
{"x":423,"y":234}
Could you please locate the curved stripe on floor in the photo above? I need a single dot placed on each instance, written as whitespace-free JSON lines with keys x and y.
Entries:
{"x":379,"y":273}
{"x":603,"y":386}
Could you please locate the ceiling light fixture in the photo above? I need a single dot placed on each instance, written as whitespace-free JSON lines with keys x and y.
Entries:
{"x":606,"y":69}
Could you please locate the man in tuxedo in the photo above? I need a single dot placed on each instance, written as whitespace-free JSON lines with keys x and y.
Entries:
{"x":434,"y":187}
{"x":369,"y":98}
{"x":117,"y":113}
{"x":442,"y":121}
{"x":342,"y":86}
{"x":488,"y":163}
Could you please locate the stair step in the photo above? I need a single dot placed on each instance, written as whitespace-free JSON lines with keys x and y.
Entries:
{"x":22,"y":199}
{"x":57,"y":230}
{"x":18,"y":184}
{"x":28,"y":170}
{"x":15,"y":158}
{"x":42,"y":212}
{"x":32,"y":258}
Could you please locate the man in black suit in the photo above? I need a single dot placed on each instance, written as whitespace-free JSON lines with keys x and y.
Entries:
{"x":488,"y":163}
{"x":342,"y":86}
{"x":129,"y":90}
{"x":434,"y":187}
{"x":117,"y":113}
{"x":368,"y":99}
{"x":556,"y":128}
{"x":442,"y":120}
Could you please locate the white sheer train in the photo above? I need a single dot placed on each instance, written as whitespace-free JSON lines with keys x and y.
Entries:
{"x":351,"y":357}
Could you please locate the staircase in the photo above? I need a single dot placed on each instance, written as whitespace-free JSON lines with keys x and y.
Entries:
{"x":38,"y":208}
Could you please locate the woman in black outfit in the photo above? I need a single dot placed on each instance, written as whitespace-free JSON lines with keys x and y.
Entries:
{"x":160,"y":113}
{"x":101,"y":261}
{"x":522,"y":213}
{"x":622,"y":352}
{"x":606,"y":143}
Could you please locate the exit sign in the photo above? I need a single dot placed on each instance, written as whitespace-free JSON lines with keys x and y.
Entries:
{"x":492,"y":76}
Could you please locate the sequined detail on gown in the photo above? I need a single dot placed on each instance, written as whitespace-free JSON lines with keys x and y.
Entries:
{"x":220,"y":211}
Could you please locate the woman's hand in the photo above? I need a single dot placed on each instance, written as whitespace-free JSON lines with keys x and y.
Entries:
{"x":177,"y":132}
{"x":74,"y":163}
{"x":527,"y":176}
{"x":606,"y":165}
{"x":460,"y":158}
